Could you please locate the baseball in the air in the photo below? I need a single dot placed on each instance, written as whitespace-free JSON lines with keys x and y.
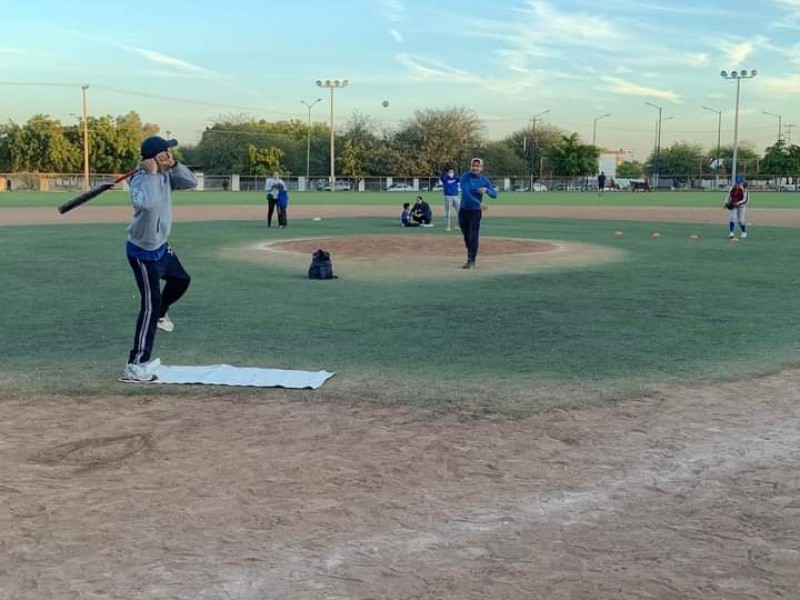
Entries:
{"x":694,"y":236}
{"x":317,"y":219}
{"x":655,"y":234}
{"x":385,"y":104}
{"x":617,"y":233}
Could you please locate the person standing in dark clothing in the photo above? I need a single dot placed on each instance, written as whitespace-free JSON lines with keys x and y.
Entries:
{"x":473,"y":187}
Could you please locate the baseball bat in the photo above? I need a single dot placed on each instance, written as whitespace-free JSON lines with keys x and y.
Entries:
{"x":93,"y":193}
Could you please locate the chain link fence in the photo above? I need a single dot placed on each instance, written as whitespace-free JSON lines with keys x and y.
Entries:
{"x":74,"y":182}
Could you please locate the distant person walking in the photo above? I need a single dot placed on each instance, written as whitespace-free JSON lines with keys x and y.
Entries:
{"x":450,"y":189}
{"x":473,"y":187}
{"x":601,"y":183}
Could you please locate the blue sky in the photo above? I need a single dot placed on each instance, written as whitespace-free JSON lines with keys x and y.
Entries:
{"x":182,"y":64}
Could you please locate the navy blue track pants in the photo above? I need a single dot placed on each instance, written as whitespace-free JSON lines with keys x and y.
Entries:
{"x":470,"y":223}
{"x":154,"y":302}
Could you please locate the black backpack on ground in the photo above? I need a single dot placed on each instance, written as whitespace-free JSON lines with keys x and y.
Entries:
{"x":321,"y":266}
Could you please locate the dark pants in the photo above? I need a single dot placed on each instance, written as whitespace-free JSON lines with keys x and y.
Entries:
{"x":271,"y":209}
{"x":282,"y":218}
{"x":154,"y":302}
{"x":470,"y":223}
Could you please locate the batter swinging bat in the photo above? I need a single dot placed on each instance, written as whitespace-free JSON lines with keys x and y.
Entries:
{"x":86,"y":196}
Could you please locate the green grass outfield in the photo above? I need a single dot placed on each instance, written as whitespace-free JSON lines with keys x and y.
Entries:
{"x":761,"y":199}
{"x":674,"y":311}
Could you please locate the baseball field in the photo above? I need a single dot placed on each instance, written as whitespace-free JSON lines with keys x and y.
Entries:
{"x":607,"y":408}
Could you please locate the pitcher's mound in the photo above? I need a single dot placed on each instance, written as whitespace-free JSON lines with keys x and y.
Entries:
{"x":414,"y":255}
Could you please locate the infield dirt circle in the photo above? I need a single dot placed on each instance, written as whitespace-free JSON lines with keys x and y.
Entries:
{"x":415,"y":254}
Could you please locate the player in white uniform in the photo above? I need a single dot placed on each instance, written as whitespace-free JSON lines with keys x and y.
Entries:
{"x":736,"y":202}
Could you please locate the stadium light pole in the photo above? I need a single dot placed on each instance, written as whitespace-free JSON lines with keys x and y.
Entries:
{"x":85,"y":138}
{"x":332,"y":84}
{"x":719,"y":138}
{"x":537,"y":116}
{"x":766,"y":112}
{"x":738,"y":76}
{"x":594,"y":127}
{"x":658,"y":142}
{"x":308,"y":139}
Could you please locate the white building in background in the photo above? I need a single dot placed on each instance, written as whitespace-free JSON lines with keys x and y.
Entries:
{"x":607,"y":163}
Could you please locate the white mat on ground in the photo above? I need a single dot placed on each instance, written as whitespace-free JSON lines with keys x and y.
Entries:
{"x":242,"y":376}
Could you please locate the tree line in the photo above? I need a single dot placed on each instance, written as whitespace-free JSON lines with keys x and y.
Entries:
{"x":421,"y":146}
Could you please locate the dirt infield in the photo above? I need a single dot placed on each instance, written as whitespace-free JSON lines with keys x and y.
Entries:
{"x":390,"y":256}
{"x":689,"y":494}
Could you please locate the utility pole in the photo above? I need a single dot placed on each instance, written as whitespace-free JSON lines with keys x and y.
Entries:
{"x":85,"y":139}
{"x":534,"y":143}
{"x":788,"y":127}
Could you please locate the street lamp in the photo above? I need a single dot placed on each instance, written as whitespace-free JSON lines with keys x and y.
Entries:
{"x":85,"y":139}
{"x":719,"y":138}
{"x":594,"y":127}
{"x":332,"y":84}
{"x":536,"y":117}
{"x":658,"y":143}
{"x":308,"y":142}
{"x":766,"y":112}
{"x":738,"y":76}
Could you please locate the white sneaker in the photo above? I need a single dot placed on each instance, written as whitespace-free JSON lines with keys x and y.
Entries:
{"x":134,"y":373}
{"x":744,"y":235}
{"x":731,"y":234}
{"x":165,"y":324}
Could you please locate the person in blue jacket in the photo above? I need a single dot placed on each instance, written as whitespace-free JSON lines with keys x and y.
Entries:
{"x":473,"y":187}
{"x":450,"y":189}
{"x":282,"y":202}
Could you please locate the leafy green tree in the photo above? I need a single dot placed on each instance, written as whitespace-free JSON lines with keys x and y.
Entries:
{"x":263,"y":160}
{"x":501,"y":159}
{"x":41,"y":146}
{"x":680,"y":161}
{"x":433,"y":138}
{"x":532,"y":143}
{"x":358,"y":142}
{"x":224,"y":147}
{"x":746,"y":157}
{"x":629,"y":170}
{"x":573,"y":159}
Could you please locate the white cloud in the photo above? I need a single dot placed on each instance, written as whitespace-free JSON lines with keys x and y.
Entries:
{"x":695,"y":59}
{"x":430,"y":70}
{"x":620,"y":86}
{"x":398,"y":37}
{"x":739,"y":52}
{"x":427,"y":69}
{"x":788,"y":85}
{"x":570,"y":27}
{"x":163,"y":59}
{"x":393,"y":10}
{"x":151,"y":55}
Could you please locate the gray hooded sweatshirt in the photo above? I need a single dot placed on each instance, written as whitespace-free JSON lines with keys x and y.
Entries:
{"x":151,"y":196}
